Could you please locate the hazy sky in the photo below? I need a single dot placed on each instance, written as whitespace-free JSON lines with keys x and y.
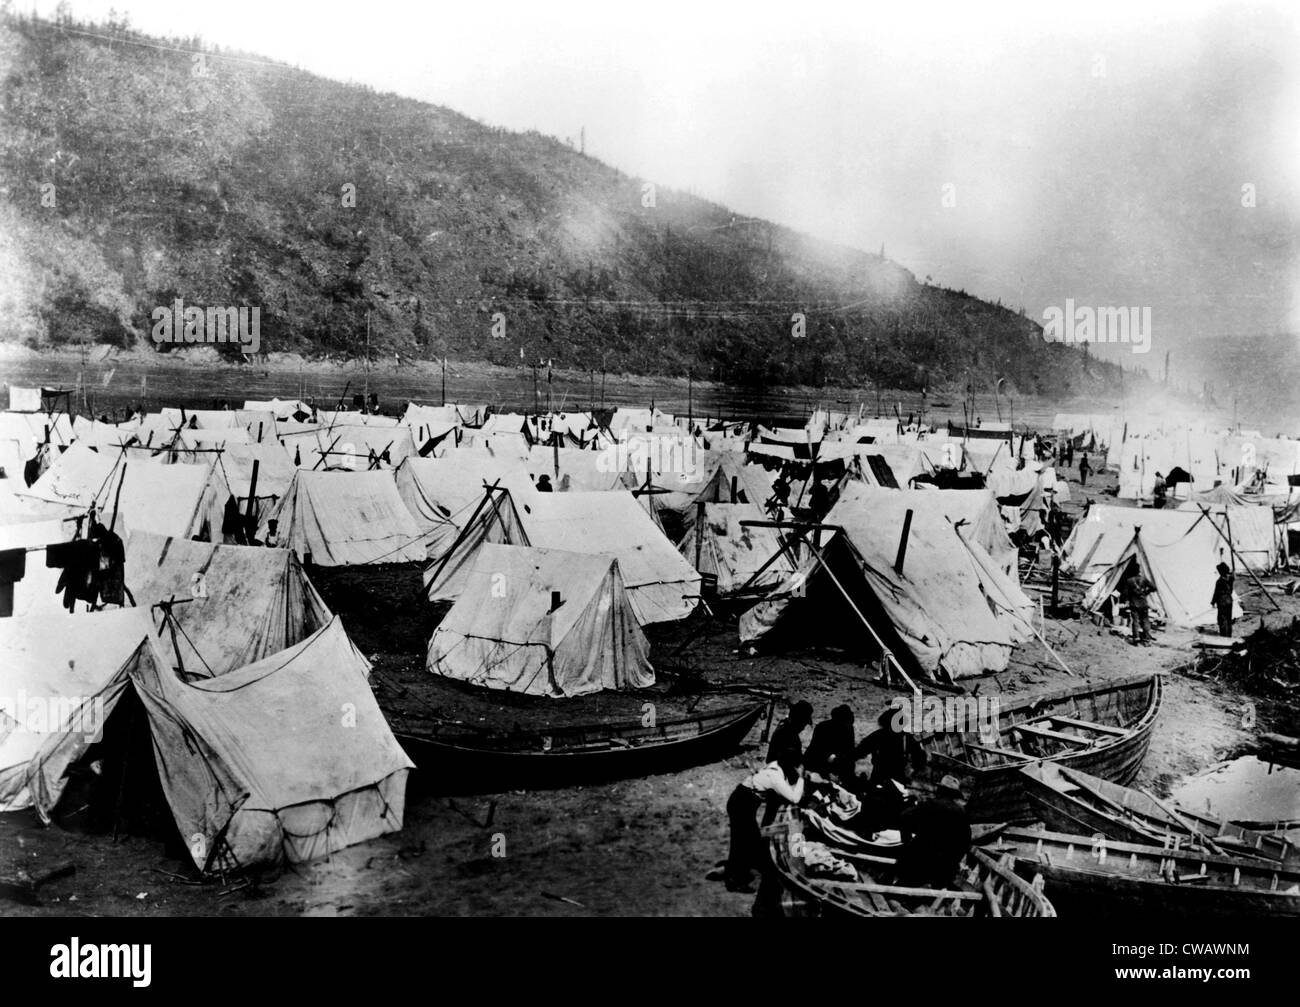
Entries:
{"x":1098,"y":154}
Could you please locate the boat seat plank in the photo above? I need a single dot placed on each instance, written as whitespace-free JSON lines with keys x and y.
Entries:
{"x":1043,"y":732}
{"x":925,"y":893}
{"x":1004,"y":751}
{"x":1088,"y":725}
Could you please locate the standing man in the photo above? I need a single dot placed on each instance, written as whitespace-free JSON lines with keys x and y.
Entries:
{"x":1159,"y":491}
{"x":780,"y":780}
{"x":786,"y":736}
{"x":830,"y":753}
{"x":1222,"y":600}
{"x":1084,"y":469}
{"x":1136,"y":589}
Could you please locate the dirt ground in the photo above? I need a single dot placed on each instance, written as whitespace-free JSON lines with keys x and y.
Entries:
{"x":637,"y":847}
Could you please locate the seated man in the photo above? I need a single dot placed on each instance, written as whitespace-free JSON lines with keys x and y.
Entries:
{"x":936,"y":836}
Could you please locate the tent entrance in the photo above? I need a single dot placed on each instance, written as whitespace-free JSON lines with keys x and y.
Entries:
{"x":114,"y":787}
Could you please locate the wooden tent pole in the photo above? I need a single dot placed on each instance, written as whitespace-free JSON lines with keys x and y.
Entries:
{"x":1259,"y":583}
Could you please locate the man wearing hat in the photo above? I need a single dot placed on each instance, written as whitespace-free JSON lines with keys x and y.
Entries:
{"x":830,"y":753}
{"x":1222,"y":600}
{"x":895,"y":754}
{"x":786,"y":736}
{"x":936,"y":836}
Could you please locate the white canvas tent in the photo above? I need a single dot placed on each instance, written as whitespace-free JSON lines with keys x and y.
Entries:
{"x":951,"y":612}
{"x":505,"y":632}
{"x":1177,"y":570}
{"x":287,"y":759}
{"x":660,"y":583}
{"x":51,"y":665}
{"x":342,"y":518}
{"x":1179,"y":551}
{"x":717,"y":544}
{"x":238,"y":604}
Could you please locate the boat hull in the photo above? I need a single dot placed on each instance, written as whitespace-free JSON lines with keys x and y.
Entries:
{"x":996,"y":792}
{"x":461,"y":765}
{"x":980,"y":873}
{"x":1135,"y":879}
{"x":1070,"y":802}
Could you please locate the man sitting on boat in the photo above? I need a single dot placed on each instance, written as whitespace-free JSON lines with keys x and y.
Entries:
{"x":936,"y":836}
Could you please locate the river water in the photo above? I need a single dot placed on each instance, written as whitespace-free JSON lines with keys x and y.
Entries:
{"x":114,"y":386}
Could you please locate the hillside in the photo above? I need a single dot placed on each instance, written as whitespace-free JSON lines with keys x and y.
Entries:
{"x":232,"y":188}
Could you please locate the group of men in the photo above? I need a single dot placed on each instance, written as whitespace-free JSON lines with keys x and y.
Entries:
{"x":935,"y":831}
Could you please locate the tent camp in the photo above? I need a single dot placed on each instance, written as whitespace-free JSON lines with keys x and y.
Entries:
{"x":1178,"y":551}
{"x":287,"y":759}
{"x":719,"y":546}
{"x":544,"y":622}
{"x":660,"y":583}
{"x":950,"y":613}
{"x":342,"y":518}
{"x":239,"y":603}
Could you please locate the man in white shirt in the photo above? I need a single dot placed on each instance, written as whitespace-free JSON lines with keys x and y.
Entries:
{"x":779,"y":780}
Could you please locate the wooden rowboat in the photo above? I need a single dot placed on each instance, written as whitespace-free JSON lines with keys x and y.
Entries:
{"x":1090,"y":874}
{"x":1102,"y":728}
{"x":983,"y":886}
{"x":461,"y":762}
{"x":1067,"y":800}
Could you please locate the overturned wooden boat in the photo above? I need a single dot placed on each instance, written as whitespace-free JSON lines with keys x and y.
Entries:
{"x":1102,"y":728}
{"x":1069,"y":800}
{"x":1092,"y":874}
{"x":453,"y":760}
{"x":983,"y":886}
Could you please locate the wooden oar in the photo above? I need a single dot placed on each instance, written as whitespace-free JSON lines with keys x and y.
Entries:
{"x":1193,"y":832}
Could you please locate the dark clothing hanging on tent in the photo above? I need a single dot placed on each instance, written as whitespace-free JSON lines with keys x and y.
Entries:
{"x":13,"y":567}
{"x":79,"y":561}
{"x":112,"y":568}
{"x":232,"y":523}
